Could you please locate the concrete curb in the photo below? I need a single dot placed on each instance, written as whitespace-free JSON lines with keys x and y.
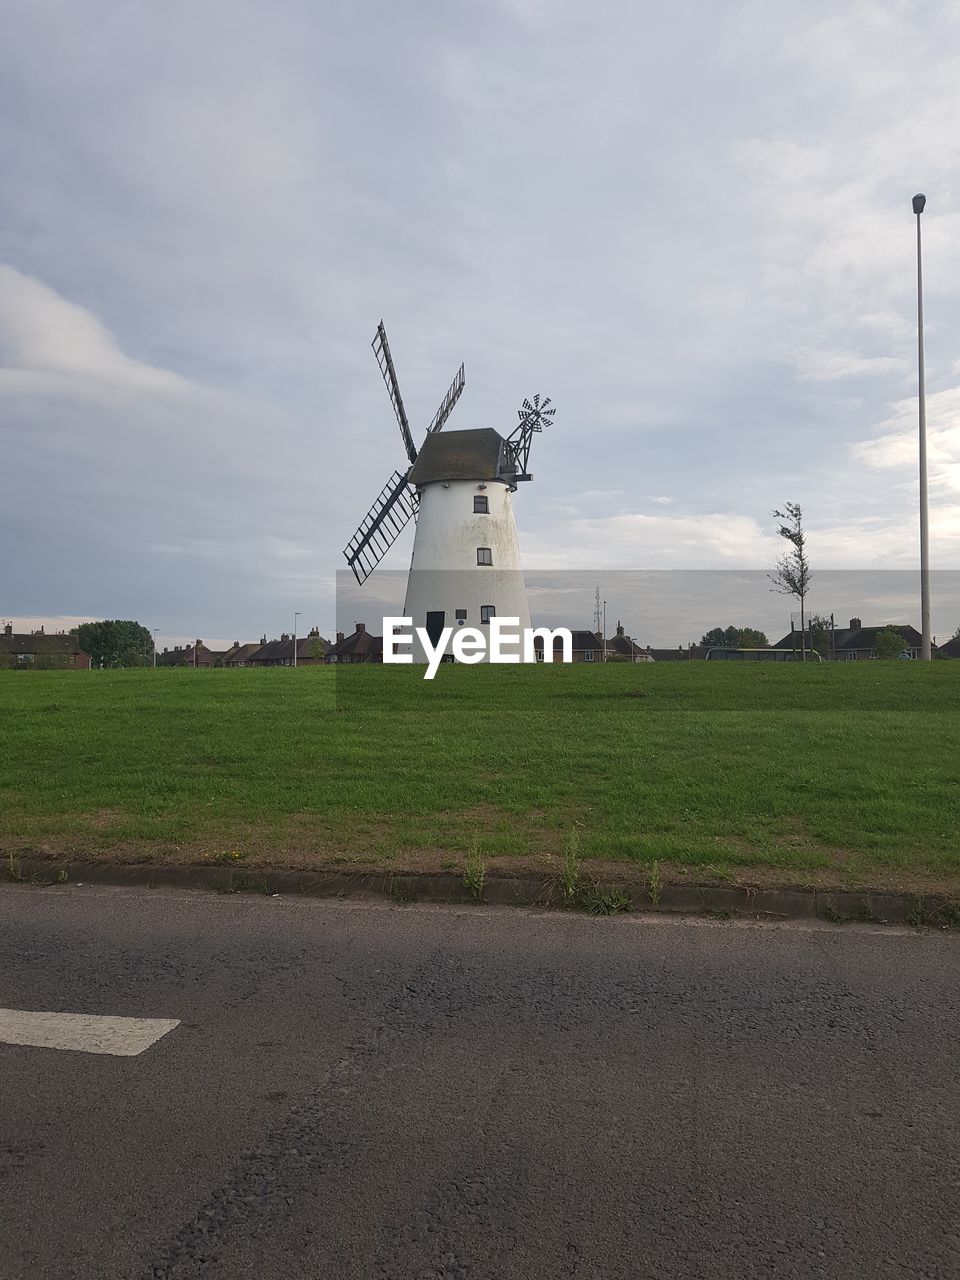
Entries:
{"x":720,"y":901}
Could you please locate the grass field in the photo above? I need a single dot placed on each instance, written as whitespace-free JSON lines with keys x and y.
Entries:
{"x":715,"y":770}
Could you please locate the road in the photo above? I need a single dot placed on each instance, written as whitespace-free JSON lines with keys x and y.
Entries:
{"x":346,"y":1089}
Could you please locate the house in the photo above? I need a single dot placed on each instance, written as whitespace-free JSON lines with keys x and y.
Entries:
{"x":311,"y":650}
{"x":273,"y":653}
{"x":359,"y":646}
{"x":620,"y":648}
{"x":950,"y":649}
{"x":855,"y":642}
{"x":239,"y":655}
{"x":586,"y":647}
{"x":191,"y":655}
{"x":60,"y":651}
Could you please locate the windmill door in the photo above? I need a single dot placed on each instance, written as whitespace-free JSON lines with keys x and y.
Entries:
{"x":435,"y":626}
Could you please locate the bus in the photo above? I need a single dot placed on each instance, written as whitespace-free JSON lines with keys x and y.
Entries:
{"x":719,"y":654}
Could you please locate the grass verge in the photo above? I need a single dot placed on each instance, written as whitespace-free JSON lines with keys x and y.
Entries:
{"x":735,"y":773}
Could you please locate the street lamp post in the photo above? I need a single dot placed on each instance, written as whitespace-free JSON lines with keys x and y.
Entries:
{"x":295,"y":617}
{"x":155,"y":630}
{"x":918,"y":204}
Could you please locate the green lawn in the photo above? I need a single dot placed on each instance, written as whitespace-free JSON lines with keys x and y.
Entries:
{"x":852,"y":768}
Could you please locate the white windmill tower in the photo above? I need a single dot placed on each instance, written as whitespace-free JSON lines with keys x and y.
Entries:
{"x":465,"y":566}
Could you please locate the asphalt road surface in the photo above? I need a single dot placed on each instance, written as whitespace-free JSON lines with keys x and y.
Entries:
{"x":337,"y":1089}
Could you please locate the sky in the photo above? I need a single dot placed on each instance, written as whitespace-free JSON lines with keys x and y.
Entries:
{"x":689,"y":225}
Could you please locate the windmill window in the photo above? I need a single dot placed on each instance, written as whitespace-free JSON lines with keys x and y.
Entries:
{"x":461,"y":615}
{"x":481,"y":504}
{"x":484,"y":555}
{"x":487,"y":611}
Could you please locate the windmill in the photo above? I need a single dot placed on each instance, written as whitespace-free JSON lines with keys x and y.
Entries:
{"x":465,"y":566}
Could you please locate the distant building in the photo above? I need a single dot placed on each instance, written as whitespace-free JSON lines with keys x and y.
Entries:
{"x":238,"y":655}
{"x":949,"y":649}
{"x":693,"y":652}
{"x":359,"y":646}
{"x":620,"y":648}
{"x":311,"y":650}
{"x":853,"y":643}
{"x":191,"y":655}
{"x":265,"y":653}
{"x":60,"y":651}
{"x":586,"y":646}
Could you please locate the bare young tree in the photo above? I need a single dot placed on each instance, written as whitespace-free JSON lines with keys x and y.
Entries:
{"x":792,"y":575}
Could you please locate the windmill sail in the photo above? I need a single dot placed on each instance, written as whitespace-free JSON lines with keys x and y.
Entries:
{"x":449,"y":400}
{"x":533,"y":418}
{"x":381,"y":526}
{"x":381,"y":349}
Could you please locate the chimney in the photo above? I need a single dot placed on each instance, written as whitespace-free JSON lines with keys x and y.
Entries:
{"x":313,"y":633}
{"x":284,"y":636}
{"x":358,"y":627}
{"x":619,"y":627}
{"x":263,"y":639}
{"x":8,"y":629}
{"x":855,"y":624}
{"x":339,"y":636}
{"x":198,"y":643}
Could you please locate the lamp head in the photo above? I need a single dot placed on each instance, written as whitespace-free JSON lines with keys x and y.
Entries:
{"x":918,"y":203}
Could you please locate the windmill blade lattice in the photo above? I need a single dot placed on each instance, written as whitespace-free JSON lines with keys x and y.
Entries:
{"x":381,"y":526}
{"x":381,"y":349}
{"x":536,"y":416}
{"x":449,"y":400}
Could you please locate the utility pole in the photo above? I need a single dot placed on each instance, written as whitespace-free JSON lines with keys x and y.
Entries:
{"x":604,"y":636}
{"x":918,"y":204}
{"x":155,"y":630}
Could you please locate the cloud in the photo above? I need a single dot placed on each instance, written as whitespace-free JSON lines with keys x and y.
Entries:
{"x":895,"y":446}
{"x":50,"y":344}
{"x":829,"y":366}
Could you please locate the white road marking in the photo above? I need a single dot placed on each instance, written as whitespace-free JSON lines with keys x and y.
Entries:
{"x":83,"y":1032}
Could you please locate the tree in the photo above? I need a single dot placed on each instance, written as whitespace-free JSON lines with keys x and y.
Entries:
{"x":116,"y":643}
{"x":890,"y":643}
{"x":792,"y":575}
{"x":734,"y":638}
{"x":820,"y":631}
{"x":317,"y":648}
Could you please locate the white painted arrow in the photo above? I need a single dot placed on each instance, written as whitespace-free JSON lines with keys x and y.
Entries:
{"x":83,"y":1032}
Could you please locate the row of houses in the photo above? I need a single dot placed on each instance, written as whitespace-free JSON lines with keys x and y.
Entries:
{"x":361,"y":646}
{"x":847,"y":644}
{"x":857,"y":643}
{"x":61,"y":650}
{"x":311,"y":650}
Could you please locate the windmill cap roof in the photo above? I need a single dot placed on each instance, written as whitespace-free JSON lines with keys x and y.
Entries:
{"x":462,"y":455}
